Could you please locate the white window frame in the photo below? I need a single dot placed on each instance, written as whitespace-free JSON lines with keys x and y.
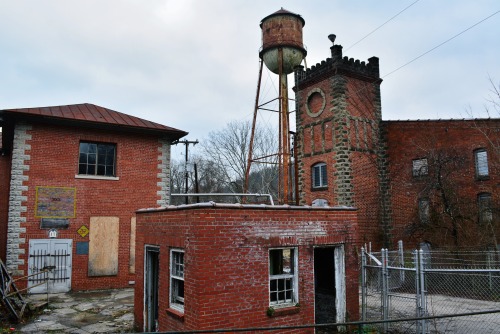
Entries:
{"x":322,"y":173}
{"x":175,"y":301}
{"x":420,"y":167}
{"x":283,"y":276}
{"x":481,"y":163}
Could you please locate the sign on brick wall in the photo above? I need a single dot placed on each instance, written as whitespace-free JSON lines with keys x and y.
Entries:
{"x":55,"y":202}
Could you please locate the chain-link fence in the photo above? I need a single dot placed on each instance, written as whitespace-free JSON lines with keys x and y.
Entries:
{"x":432,"y":285}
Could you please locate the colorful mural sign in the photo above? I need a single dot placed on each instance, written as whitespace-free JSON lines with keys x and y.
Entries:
{"x":55,"y":202}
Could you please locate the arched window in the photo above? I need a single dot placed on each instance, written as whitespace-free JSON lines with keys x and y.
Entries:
{"x":320,"y":202}
{"x":319,"y":175}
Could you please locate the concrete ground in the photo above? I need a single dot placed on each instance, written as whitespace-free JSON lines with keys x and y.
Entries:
{"x":106,"y":311}
{"x":403,"y":306}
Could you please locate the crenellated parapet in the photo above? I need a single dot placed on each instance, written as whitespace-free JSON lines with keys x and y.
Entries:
{"x":340,"y":64}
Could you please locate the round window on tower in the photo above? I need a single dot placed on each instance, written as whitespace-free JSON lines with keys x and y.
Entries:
{"x":316,"y":102}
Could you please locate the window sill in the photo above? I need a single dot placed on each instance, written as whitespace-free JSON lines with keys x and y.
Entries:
{"x":175,"y":314}
{"x":319,"y":189}
{"x":96,"y":177}
{"x":286,"y":310}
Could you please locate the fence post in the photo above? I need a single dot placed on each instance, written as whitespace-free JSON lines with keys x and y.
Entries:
{"x":385,"y":289}
{"x":363,"y":284}
{"x":401,"y":262}
{"x":420,"y":292}
{"x":489,"y":259}
{"x":417,"y":290}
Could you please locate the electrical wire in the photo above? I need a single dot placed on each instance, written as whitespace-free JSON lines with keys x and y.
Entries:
{"x":383,"y":24}
{"x":441,"y":44}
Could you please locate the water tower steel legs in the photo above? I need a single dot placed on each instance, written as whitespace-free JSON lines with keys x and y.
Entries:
{"x":250,"y":147}
{"x":284,"y":156}
{"x":284,"y":143}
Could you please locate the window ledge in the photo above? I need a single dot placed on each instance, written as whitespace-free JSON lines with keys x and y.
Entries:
{"x":285,"y":310}
{"x":97,"y":177}
{"x":319,"y":189}
{"x":175,"y":314}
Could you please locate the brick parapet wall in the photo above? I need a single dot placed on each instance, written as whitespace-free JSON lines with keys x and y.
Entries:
{"x":226,"y":261}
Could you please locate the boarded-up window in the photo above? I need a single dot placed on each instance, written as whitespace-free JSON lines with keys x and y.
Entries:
{"x":103,"y":246}
{"x":420,"y":167}
{"x":131,"y":265}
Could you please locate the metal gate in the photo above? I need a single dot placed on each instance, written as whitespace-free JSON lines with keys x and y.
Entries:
{"x":52,"y":258}
{"x":426,"y":291}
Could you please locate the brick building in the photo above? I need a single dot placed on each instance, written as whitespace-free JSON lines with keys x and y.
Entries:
{"x":213,"y":266}
{"x":72,"y":178}
{"x":444,"y":181}
{"x":389,"y":170}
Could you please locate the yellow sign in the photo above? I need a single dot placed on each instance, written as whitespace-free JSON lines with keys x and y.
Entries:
{"x":83,"y":231}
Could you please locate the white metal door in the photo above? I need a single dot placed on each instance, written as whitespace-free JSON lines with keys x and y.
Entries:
{"x":54,"y":256}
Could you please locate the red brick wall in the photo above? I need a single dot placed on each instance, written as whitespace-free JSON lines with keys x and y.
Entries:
{"x":346,"y":133}
{"x":366,"y":188}
{"x":54,"y":162}
{"x":453,"y":140}
{"x":226,"y":262}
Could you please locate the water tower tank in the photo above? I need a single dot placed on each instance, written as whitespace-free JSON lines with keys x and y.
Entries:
{"x":282,"y":29}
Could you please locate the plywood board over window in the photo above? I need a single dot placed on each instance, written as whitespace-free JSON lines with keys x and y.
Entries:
{"x":103,"y":246}
{"x":131,"y":265}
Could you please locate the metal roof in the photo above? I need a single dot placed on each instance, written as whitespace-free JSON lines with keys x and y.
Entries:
{"x":93,"y":114}
{"x":283,"y":11}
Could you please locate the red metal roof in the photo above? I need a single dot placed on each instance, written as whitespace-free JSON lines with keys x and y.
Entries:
{"x":90,"y":113}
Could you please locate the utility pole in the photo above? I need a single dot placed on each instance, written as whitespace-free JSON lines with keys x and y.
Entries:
{"x":186,"y":142}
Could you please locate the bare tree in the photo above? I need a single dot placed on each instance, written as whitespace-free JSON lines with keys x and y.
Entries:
{"x":492,"y":110}
{"x":228,"y":149}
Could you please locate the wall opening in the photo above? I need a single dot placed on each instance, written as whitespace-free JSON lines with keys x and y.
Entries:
{"x":151,"y":277}
{"x":329,"y":285}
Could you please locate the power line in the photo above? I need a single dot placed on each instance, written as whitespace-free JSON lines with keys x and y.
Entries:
{"x":383,"y":24}
{"x":437,"y":46}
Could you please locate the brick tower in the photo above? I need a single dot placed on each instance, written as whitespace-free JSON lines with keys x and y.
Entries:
{"x":341,"y":155}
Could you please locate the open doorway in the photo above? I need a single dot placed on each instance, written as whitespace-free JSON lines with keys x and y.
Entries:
{"x":329,"y":284}
{"x":151,"y":270}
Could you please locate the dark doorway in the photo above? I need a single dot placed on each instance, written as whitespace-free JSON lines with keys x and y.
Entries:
{"x":324,"y":285}
{"x":151,"y":268}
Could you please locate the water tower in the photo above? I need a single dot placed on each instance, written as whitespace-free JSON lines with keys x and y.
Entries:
{"x":282,"y":50}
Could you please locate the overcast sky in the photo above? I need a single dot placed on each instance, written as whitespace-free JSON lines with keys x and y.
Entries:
{"x":193,"y":64}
